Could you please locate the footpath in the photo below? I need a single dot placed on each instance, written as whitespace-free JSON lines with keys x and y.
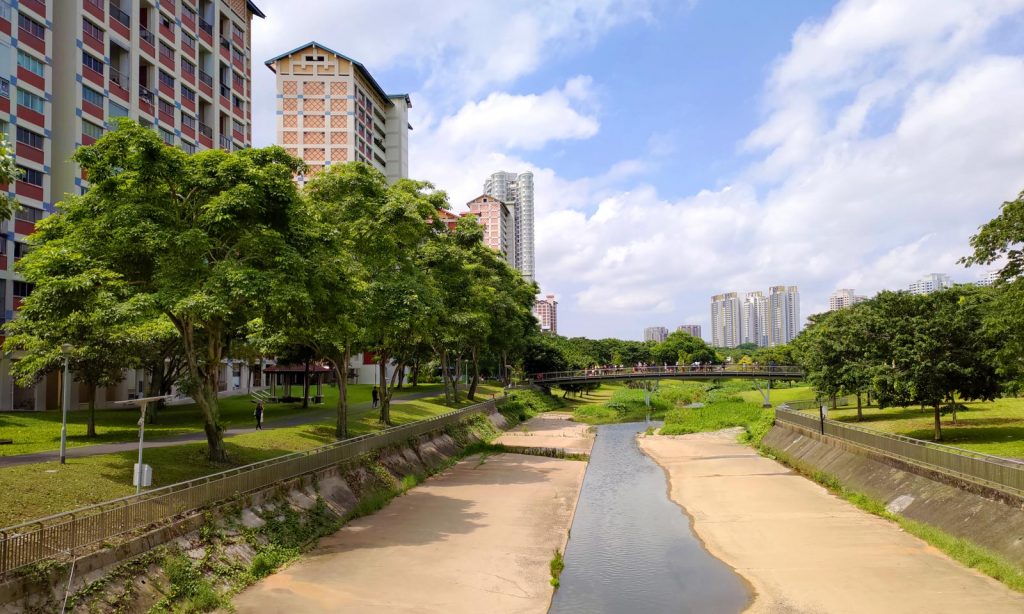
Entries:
{"x":804,"y":549}
{"x":199,"y":435}
{"x":477,"y":538}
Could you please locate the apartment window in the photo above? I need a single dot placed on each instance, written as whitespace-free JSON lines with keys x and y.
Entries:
{"x":167,"y":136}
{"x":166,"y":79}
{"x":31,"y":64}
{"x":166,"y":51}
{"x":28,"y":214}
{"x":238,"y":102}
{"x":91,"y":130}
{"x":31,"y":101}
{"x":92,"y":62}
{"x":116,"y":110}
{"x":188,"y":13}
{"x":165,"y":107}
{"x":188,"y":93}
{"x":31,"y":176}
{"x":5,"y":88}
{"x":21,"y":288}
{"x":4,"y":126}
{"x":31,"y":26}
{"x":166,"y":22}
{"x":187,"y":121}
{"x":188,"y":67}
{"x":238,"y":126}
{"x":189,"y":41}
{"x":92,"y":96}
{"x":20,"y":249}
{"x":189,"y":148}
{"x":90,"y":30}
{"x":27,"y":137}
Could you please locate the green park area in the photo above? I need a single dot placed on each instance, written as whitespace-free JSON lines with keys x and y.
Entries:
{"x":41,"y":489}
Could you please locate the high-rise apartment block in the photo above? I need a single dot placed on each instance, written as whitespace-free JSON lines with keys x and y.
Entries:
{"x":690,"y":329}
{"x":754,"y":318}
{"x":726,"y":320}
{"x":546,"y":311}
{"x":496,"y":219}
{"x":988,"y":278}
{"x":516,"y":189}
{"x":330,"y":110}
{"x":932,"y":282}
{"x":843,"y":298}
{"x":656,"y":334}
{"x":69,"y":68}
{"x":783,"y":314}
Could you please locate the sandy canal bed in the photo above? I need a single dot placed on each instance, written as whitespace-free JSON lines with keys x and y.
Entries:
{"x":477,"y":538}
{"x":805,"y":550}
{"x":553,"y":429}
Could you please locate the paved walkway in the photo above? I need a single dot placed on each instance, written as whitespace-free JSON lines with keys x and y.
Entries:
{"x":177,"y":440}
{"x":553,"y":429}
{"x":805,"y":550}
{"x":477,"y":538}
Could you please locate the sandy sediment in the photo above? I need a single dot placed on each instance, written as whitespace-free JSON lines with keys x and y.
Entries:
{"x":805,"y":550}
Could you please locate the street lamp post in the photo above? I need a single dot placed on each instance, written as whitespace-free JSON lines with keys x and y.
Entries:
{"x":142,"y":474}
{"x":66,"y":401}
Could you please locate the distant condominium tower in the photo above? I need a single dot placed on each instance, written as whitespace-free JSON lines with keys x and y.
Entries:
{"x":546,"y":311}
{"x":496,"y":219}
{"x":988,"y":278}
{"x":690,"y":329}
{"x":754,"y":325}
{"x":843,"y":298}
{"x":656,"y":334}
{"x":726,"y":320}
{"x":930,"y":283}
{"x":783,"y":313}
{"x":516,"y":189}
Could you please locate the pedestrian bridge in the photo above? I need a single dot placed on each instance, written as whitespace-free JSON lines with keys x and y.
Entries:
{"x":702,"y":372}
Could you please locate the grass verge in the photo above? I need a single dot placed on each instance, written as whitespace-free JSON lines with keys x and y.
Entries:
{"x":967,"y":553}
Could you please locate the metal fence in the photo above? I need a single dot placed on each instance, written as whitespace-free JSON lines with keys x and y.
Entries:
{"x":63,"y":533}
{"x":815,"y":403}
{"x":1003,"y":474}
{"x":598,"y":374}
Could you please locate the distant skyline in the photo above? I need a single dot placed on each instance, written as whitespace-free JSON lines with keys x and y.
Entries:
{"x":685,"y":149}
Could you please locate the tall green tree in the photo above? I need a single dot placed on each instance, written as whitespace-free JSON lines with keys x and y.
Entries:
{"x":204,"y":240}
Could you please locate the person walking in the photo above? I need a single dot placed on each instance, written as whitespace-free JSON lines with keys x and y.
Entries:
{"x":375,"y":395}
{"x":259,"y":416}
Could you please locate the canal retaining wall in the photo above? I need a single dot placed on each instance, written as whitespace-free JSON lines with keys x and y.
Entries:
{"x":211,"y":554}
{"x":988,"y":518}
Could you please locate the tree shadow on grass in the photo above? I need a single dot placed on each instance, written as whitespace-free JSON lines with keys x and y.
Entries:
{"x":955,"y":435}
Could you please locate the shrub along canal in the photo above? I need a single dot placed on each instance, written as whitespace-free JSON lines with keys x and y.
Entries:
{"x":631,"y":548}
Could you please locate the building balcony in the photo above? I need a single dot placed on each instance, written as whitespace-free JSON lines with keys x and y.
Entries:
{"x":27,"y":76}
{"x":225,"y":142}
{"x":147,"y":41}
{"x":27,"y":152}
{"x":38,"y":6}
{"x":120,"y":21}
{"x":31,"y":40}
{"x":147,"y":98}
{"x":120,"y":84}
{"x":206,"y":31}
{"x":95,"y":8}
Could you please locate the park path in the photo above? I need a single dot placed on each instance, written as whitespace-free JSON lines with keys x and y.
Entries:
{"x":804,"y":549}
{"x":477,"y":538}
{"x":177,"y":440}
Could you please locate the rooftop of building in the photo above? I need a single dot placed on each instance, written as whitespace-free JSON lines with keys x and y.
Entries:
{"x":255,"y":9}
{"x":359,"y":67}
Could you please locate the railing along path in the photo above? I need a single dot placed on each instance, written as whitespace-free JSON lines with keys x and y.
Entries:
{"x":1003,"y":474}
{"x":668,"y":371}
{"x":63,"y":533}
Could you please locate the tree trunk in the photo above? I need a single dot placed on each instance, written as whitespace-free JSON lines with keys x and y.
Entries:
{"x":834,"y":401}
{"x":506,"y":376}
{"x":444,"y":377}
{"x":305,"y":386}
{"x":860,"y":413}
{"x":205,"y":378}
{"x":401,"y":377}
{"x":938,"y":424}
{"x":385,"y":391}
{"x":91,"y":428}
{"x":341,"y":372}
{"x":455,"y":380}
{"x":476,"y":375}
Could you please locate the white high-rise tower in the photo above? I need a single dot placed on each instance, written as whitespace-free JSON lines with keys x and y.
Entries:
{"x":516,"y":189}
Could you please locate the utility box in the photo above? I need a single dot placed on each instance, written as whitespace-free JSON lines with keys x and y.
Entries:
{"x":143,"y":475}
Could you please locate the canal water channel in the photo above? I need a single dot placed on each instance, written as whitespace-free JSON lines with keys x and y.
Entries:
{"x":631,"y":548}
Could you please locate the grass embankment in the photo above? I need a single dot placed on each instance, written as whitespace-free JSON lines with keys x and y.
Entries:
{"x":40,"y":431}
{"x":41,"y":489}
{"x":959,"y":549}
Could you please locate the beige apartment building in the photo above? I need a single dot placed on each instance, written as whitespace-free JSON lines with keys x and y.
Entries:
{"x":546,"y":312}
{"x":330,"y":110}
{"x":496,"y":219}
{"x":68,"y":69}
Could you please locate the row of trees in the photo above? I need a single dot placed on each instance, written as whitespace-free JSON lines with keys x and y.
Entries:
{"x":966,"y":342}
{"x":554,"y":353}
{"x":172,"y":262}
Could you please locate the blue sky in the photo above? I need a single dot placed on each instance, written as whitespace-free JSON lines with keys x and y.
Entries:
{"x":685,"y":149}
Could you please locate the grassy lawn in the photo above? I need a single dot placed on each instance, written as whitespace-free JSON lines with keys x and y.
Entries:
{"x":779,"y":395}
{"x":42,"y":489}
{"x":994,"y":427}
{"x":40,"y":431}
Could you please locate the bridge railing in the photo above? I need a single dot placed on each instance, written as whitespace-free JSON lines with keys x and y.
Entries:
{"x":60,"y":534}
{"x":1003,"y":474}
{"x":607,"y":373}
